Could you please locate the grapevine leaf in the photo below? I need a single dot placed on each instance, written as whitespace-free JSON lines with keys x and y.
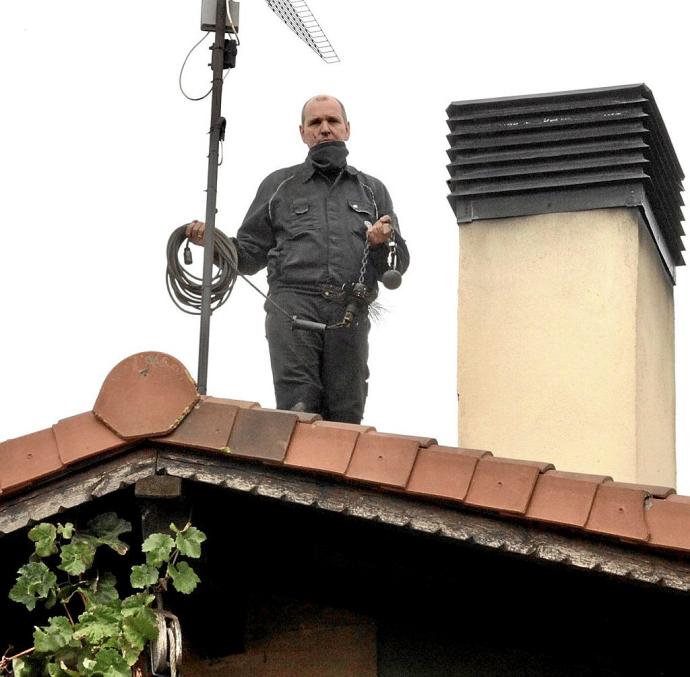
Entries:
{"x":137,"y":600}
{"x":104,"y":589}
{"x":108,"y":528}
{"x":183,"y":577}
{"x":110,"y":663}
{"x":35,"y":581}
{"x":60,"y":670}
{"x":57,"y":635}
{"x":76,"y":557}
{"x":97,"y":623}
{"x":22,"y":667}
{"x":189,"y":540}
{"x":143,"y":575}
{"x":157,"y":548}
{"x":66,"y":531}
{"x":139,"y":625}
{"x":43,"y":535}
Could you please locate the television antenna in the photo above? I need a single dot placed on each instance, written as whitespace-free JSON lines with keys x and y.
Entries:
{"x":299,"y":18}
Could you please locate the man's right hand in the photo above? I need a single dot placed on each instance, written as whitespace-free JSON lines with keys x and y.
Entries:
{"x":195,"y":232}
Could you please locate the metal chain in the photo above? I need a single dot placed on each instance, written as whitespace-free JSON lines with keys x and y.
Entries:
{"x":365,"y":261}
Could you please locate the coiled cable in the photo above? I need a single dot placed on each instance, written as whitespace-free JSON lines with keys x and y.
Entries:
{"x":186,"y":289}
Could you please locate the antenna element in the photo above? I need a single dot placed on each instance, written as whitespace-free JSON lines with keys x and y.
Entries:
{"x":298,"y":17}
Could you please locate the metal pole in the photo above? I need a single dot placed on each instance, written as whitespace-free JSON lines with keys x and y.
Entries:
{"x":211,"y":194}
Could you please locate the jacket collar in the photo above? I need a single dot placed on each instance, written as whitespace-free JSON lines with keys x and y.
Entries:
{"x":307,"y":171}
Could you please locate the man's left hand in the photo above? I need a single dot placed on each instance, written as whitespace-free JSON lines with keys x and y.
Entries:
{"x":381,"y":231}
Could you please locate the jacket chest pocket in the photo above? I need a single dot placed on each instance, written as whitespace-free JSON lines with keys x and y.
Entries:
{"x":302,"y":216}
{"x":364,"y":213}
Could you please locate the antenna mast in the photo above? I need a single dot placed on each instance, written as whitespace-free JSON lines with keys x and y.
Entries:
{"x":299,"y":18}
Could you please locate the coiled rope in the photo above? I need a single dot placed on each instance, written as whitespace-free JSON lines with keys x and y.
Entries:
{"x":186,"y":289}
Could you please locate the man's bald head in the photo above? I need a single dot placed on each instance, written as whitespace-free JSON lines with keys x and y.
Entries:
{"x":324,"y":97}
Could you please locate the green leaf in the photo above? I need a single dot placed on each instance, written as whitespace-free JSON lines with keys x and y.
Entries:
{"x":98,"y":623}
{"x":139,"y":625}
{"x":57,"y":635}
{"x":66,"y":531}
{"x":60,"y":670}
{"x":183,"y":577}
{"x":108,"y":528}
{"x":22,"y":667}
{"x":35,"y":581}
{"x":76,"y":557}
{"x":157,"y":548}
{"x":137,"y":599}
{"x":110,"y":663}
{"x":189,"y":540}
{"x":43,"y":535}
{"x":103,"y":589}
{"x":143,"y":575}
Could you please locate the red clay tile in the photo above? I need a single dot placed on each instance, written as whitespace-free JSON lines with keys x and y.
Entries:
{"x":28,"y":458}
{"x":669,"y":523}
{"x":619,"y":511}
{"x":653,"y":489}
{"x":262,"y":433}
{"x":303,"y":416}
{"x":242,"y":404}
{"x":81,"y":436}
{"x":146,"y":395}
{"x":564,"y":498}
{"x":323,"y":445}
{"x":385,"y":458}
{"x":207,"y":426}
{"x":676,"y":498}
{"x":444,"y":472}
{"x":502,"y":484}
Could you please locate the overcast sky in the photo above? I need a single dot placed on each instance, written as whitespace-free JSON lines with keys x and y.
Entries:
{"x":103,"y":157}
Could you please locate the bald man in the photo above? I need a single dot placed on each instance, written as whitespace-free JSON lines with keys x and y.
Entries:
{"x":309,"y":225}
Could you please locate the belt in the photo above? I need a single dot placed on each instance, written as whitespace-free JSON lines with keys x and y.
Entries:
{"x":335,"y":293}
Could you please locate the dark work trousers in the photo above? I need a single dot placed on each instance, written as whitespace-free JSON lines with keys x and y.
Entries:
{"x":326,"y":372}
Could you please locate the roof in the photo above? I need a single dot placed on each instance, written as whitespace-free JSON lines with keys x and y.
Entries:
{"x":149,"y":418}
{"x":567,"y":151}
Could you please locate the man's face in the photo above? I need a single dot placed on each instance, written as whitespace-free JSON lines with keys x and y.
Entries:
{"x":323,"y":121}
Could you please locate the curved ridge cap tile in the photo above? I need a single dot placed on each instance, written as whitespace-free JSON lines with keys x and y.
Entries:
{"x":242,"y":404}
{"x":385,"y":458}
{"x":421,"y":440}
{"x":619,"y":511}
{"x":444,"y":472}
{"x":542,"y":466}
{"x":651,"y":489}
{"x":323,"y":445}
{"x":669,"y":522}
{"x":82,"y":436}
{"x":503,"y":484}
{"x":207,"y":426}
{"x":564,"y":498}
{"x":28,"y":458}
{"x":146,"y":395}
{"x":263,"y":434}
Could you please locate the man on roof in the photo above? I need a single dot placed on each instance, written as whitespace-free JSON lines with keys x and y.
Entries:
{"x":310,"y":225}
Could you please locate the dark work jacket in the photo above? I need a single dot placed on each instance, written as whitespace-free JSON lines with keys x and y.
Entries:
{"x":310,"y":233}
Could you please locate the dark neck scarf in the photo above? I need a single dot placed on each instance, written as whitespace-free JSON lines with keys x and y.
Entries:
{"x":328,"y":157}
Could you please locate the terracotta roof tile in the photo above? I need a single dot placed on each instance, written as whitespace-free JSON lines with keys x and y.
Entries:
{"x":262,"y":434}
{"x":669,"y":522}
{"x":145,"y":395}
{"x":324,"y":445}
{"x":81,"y":436}
{"x":444,"y":472}
{"x":207,"y":426}
{"x":652,"y":489}
{"x":242,"y":404}
{"x":384,"y":458}
{"x":28,"y":458}
{"x":564,"y":498}
{"x":619,"y":511}
{"x":502,"y":484}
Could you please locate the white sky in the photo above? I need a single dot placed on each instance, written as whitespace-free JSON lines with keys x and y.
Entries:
{"x":102,"y":158}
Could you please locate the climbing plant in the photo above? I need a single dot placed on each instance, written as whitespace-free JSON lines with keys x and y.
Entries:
{"x":95,"y":632}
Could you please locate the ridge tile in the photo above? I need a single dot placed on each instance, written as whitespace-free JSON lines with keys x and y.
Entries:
{"x":83,"y":435}
{"x":669,"y":523}
{"x":619,"y":511}
{"x":206,"y":426}
{"x":323,"y":445}
{"x":444,"y":472}
{"x":263,"y":434}
{"x":28,"y":458}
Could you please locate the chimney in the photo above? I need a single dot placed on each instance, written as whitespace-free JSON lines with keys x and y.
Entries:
{"x":569,"y":212}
